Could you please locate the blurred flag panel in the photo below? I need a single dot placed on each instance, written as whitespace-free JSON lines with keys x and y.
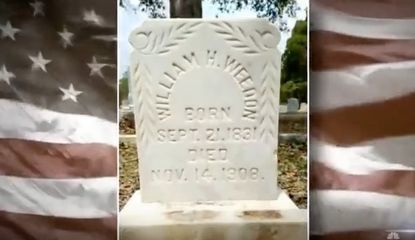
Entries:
{"x":362,"y":121}
{"x":58,"y":114}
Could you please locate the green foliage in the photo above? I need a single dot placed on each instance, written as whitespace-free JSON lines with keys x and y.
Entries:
{"x":293,"y":89}
{"x":123,"y":89}
{"x":294,"y":65}
{"x":273,"y":10}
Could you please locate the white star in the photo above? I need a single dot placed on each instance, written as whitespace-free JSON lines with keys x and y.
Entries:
{"x":66,"y":37}
{"x":70,"y":93}
{"x":37,"y":8}
{"x":92,"y":17}
{"x":96,"y":67}
{"x":39,"y":62}
{"x":8,"y":31}
{"x":5,"y":75}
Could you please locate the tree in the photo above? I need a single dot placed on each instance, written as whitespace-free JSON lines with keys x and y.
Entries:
{"x":294,"y":64}
{"x":291,"y":89}
{"x":274,"y":10}
{"x":123,"y":88}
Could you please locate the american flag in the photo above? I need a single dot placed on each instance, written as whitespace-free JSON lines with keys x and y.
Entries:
{"x":58,"y":131}
{"x":362,"y":122}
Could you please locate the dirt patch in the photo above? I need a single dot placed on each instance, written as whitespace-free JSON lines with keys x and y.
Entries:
{"x":128,"y":172}
{"x":292,"y":171}
{"x":126,"y":126}
{"x":292,"y":125}
{"x":266,"y":214}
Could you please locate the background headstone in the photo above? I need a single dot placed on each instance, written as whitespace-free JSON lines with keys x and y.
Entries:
{"x":292,"y":105}
{"x":124,"y":103}
{"x":303,"y":107}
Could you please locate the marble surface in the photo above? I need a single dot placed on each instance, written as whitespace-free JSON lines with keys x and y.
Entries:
{"x":206,"y":97}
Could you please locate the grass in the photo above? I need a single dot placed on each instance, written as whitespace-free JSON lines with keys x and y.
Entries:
{"x":129,"y":179}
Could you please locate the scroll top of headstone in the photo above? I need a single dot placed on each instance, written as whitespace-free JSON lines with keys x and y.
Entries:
{"x":206,"y":96}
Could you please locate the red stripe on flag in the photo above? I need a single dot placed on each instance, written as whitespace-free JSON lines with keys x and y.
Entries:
{"x":331,"y":50}
{"x":15,"y":226}
{"x":396,"y":182}
{"x":24,"y":158}
{"x":355,"y":124}
{"x":401,"y":9}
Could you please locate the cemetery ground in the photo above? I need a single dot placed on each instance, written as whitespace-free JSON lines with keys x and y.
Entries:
{"x":292,"y":163}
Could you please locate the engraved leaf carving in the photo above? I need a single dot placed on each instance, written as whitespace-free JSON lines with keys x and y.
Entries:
{"x":268,"y":104}
{"x":145,"y":117}
{"x":238,"y":38}
{"x":169,"y":38}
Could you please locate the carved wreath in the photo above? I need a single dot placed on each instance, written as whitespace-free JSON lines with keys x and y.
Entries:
{"x":268,"y":103}
{"x":253,"y":43}
{"x":162,"y":43}
{"x":144,"y":114}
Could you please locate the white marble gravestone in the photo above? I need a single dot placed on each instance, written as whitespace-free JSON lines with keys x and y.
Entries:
{"x":206,"y":97}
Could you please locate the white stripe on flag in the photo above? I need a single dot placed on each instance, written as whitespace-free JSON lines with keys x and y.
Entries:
{"x":73,"y":198}
{"x":59,"y":127}
{"x":382,"y":154}
{"x":366,"y":84}
{"x":335,"y":21}
{"x":336,"y":211}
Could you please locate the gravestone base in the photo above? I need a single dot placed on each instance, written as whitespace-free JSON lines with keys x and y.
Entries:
{"x":236,"y":220}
